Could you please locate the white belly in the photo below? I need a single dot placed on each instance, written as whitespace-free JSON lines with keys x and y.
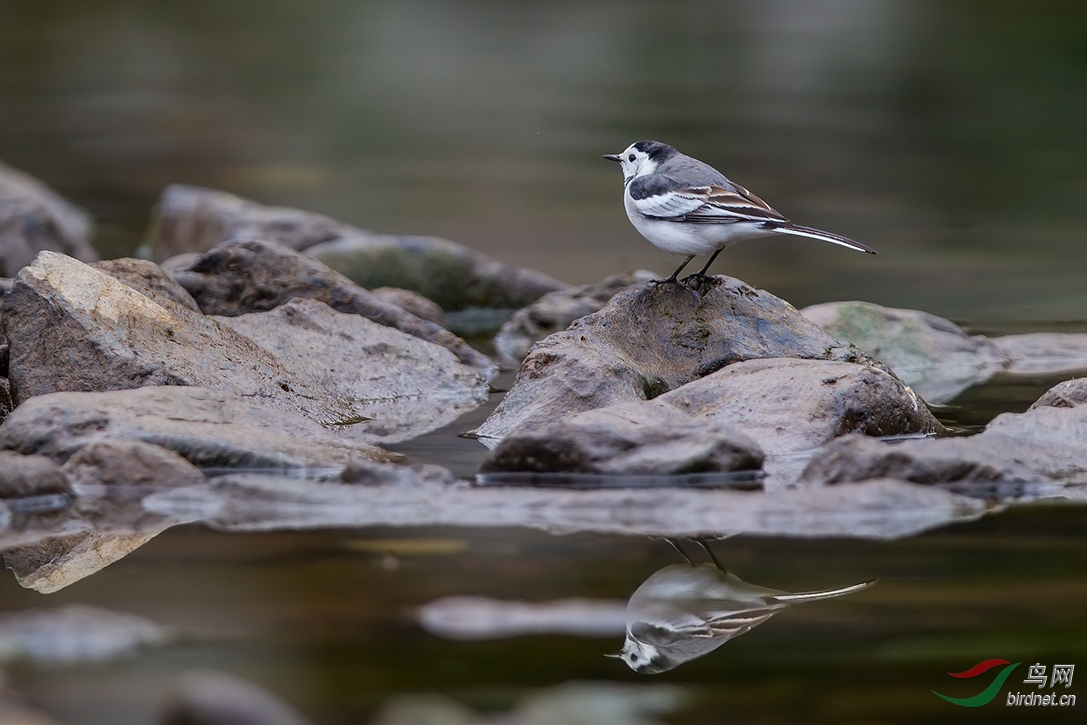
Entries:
{"x":681,"y":238}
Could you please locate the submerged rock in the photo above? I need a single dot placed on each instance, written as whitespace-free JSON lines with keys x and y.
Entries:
{"x":148,"y":279}
{"x":216,"y":698}
{"x":646,"y":438}
{"x":936,"y":357}
{"x":477,"y":618}
{"x":74,"y":634}
{"x":250,"y":275}
{"x":33,"y":217}
{"x":209,"y":428}
{"x":191,"y":219}
{"x":408,"y":386}
{"x":648,"y":341}
{"x":73,"y":328}
{"x":555,"y":311}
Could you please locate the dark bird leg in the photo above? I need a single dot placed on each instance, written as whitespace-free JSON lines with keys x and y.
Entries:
{"x":704,"y":545}
{"x":675,"y":274}
{"x":675,"y":545}
{"x":702,"y":272}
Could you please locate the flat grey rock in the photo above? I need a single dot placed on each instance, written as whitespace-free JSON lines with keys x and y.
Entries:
{"x":650,"y":340}
{"x":251,"y":275}
{"x":209,"y":428}
{"x":33,"y":217}
{"x":1043,"y":353}
{"x":405,"y":385}
{"x":642,"y":438}
{"x":555,"y":311}
{"x":71,"y":327}
{"x":192,"y":219}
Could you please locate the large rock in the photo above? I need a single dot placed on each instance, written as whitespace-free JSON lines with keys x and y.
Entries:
{"x":555,"y":311}
{"x":644,"y":438}
{"x":33,"y":217}
{"x":648,"y":341}
{"x":932,"y":355}
{"x":22,"y":476}
{"x":148,"y":279}
{"x":1047,"y":443}
{"x":790,"y":405}
{"x":191,"y":219}
{"x":936,"y":357}
{"x":209,"y":428}
{"x":249,"y":275}
{"x":73,"y":328}
{"x":407,"y":386}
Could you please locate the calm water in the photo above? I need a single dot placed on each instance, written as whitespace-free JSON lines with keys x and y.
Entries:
{"x":947,"y":135}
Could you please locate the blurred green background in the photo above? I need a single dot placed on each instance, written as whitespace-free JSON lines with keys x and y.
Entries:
{"x":946,"y":134}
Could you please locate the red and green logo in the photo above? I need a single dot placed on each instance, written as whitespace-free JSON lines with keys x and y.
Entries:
{"x":989,"y":693}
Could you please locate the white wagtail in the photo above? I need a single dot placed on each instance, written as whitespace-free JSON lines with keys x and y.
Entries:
{"x":687,"y":207}
{"x":685,"y":611}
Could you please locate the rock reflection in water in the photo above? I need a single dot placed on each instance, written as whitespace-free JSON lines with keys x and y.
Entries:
{"x":685,"y":611}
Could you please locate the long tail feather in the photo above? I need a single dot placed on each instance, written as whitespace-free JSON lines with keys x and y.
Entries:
{"x":824,"y":594}
{"x":799,"y":231}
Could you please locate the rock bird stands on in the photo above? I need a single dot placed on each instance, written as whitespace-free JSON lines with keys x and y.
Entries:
{"x":687,"y":207}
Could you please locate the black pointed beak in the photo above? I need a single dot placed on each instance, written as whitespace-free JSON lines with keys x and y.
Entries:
{"x":612,"y":157}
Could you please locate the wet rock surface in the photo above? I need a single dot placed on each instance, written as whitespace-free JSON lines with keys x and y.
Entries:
{"x":250,"y":275}
{"x":216,"y":698}
{"x":406,"y":385}
{"x":148,"y":279}
{"x":646,"y":438}
{"x":1068,"y":394}
{"x":73,"y":328}
{"x":33,"y":217}
{"x":555,"y":311}
{"x":648,"y":341}
{"x":191,"y":219}
{"x":939,"y":359}
{"x":209,"y":428}
{"x":880,"y":509}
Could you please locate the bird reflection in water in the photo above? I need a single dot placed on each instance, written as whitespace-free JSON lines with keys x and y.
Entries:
{"x":685,"y":611}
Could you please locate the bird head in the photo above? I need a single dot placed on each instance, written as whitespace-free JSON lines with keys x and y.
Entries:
{"x":643,"y":658}
{"x":641,"y":158}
